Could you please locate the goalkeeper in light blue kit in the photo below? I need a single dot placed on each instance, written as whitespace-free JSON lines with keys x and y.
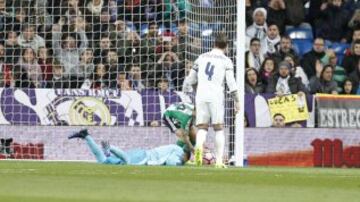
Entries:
{"x":168,"y":155}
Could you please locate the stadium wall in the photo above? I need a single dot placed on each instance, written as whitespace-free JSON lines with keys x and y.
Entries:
{"x":264,"y":146}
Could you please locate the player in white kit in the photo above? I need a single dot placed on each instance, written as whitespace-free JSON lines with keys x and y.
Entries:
{"x":210,"y":71}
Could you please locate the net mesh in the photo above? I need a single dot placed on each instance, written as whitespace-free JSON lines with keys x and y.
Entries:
{"x":114,"y":64}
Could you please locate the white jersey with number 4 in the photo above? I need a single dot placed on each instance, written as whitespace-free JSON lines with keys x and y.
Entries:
{"x":210,"y":71}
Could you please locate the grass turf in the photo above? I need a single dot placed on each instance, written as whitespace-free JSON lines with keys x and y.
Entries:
{"x":70,"y":182}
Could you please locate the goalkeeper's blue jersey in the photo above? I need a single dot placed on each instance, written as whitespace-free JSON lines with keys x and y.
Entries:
{"x":171,"y":155}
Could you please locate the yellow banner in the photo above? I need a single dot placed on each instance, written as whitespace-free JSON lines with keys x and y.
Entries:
{"x":292,"y":107}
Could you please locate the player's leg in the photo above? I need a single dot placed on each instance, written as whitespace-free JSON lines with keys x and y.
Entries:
{"x":202,"y":123}
{"x":217,"y":116}
{"x":95,"y":149}
{"x":119,"y":153}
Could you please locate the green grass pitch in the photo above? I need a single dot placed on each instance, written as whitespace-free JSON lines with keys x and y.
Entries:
{"x":89,"y":182}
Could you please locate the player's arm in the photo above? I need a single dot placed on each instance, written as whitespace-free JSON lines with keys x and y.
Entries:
{"x":191,"y":79}
{"x":230,"y":80}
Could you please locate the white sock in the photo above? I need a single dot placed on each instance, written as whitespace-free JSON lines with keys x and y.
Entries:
{"x":220,"y":144}
{"x":200,"y":138}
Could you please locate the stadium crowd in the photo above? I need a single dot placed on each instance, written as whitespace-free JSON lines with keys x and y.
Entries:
{"x":306,"y":46}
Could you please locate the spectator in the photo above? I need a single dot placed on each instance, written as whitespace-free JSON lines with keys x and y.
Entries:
{"x":267,"y":70}
{"x":272,"y":40}
{"x":12,"y":48}
{"x":308,"y":61}
{"x":135,"y":78}
{"x":295,"y":12}
{"x":297,"y":70}
{"x":58,"y":80}
{"x":101,"y":79}
{"x":347,"y":88}
{"x":324,"y":83}
{"x":333,"y":21}
{"x":28,"y":38}
{"x":113,"y":67}
{"x":163,"y":86}
{"x":350,"y":61}
{"x":45,"y":63}
{"x":283,"y":83}
{"x":43,"y":18}
{"x":182,"y":34}
{"x":103,"y":48}
{"x":285,"y":47}
{"x":73,"y":11}
{"x":28,"y":71}
{"x":253,"y":57}
{"x":253,"y":84}
{"x":278,"y":121}
{"x":86,"y":67}
{"x":339,"y":72}
{"x":122,"y":82}
{"x":259,"y":28}
{"x":277,"y":14}
{"x":354,"y":22}
{"x":355,"y":78}
{"x":150,"y":42}
{"x":167,"y":63}
{"x":101,"y":24}
{"x":15,"y":23}
{"x":66,"y":51}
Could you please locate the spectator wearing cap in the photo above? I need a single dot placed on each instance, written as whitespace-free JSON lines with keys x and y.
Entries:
{"x":253,"y":57}
{"x":324,"y":83}
{"x":297,"y":70}
{"x":28,"y":38}
{"x":270,"y":44}
{"x":251,"y":5}
{"x":253,"y":84}
{"x":284,"y":83}
{"x":259,"y":27}
{"x":309,"y":60}
{"x":333,"y":22}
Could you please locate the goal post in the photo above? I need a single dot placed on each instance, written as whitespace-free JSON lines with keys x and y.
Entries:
{"x":240,"y":72}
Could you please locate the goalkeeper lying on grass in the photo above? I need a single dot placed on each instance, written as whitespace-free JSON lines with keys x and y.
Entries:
{"x":168,"y":155}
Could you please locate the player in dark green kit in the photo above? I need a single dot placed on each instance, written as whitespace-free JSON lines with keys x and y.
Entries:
{"x":179,"y":118}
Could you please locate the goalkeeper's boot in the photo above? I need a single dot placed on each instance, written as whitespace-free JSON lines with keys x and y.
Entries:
{"x":220,"y":165}
{"x":198,"y":156}
{"x":81,"y":134}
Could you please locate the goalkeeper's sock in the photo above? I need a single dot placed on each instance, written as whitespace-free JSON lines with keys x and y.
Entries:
{"x":95,"y":149}
{"x":220,"y":144}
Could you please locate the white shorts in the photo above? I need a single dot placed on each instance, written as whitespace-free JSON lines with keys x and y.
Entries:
{"x":206,"y":111}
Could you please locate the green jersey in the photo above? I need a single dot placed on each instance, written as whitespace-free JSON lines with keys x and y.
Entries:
{"x":179,"y":115}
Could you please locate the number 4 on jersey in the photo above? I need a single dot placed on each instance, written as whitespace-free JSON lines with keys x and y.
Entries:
{"x":209,"y":70}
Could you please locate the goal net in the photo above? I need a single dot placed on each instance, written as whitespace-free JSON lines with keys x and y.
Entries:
{"x":112,"y":66}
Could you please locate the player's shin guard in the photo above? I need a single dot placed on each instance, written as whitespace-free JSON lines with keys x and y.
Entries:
{"x":200,"y":139}
{"x":220,"y":144}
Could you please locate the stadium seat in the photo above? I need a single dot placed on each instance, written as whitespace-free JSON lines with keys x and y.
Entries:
{"x":302,"y":45}
{"x":300,"y":33}
{"x":340,"y":49}
{"x":144,"y":29}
